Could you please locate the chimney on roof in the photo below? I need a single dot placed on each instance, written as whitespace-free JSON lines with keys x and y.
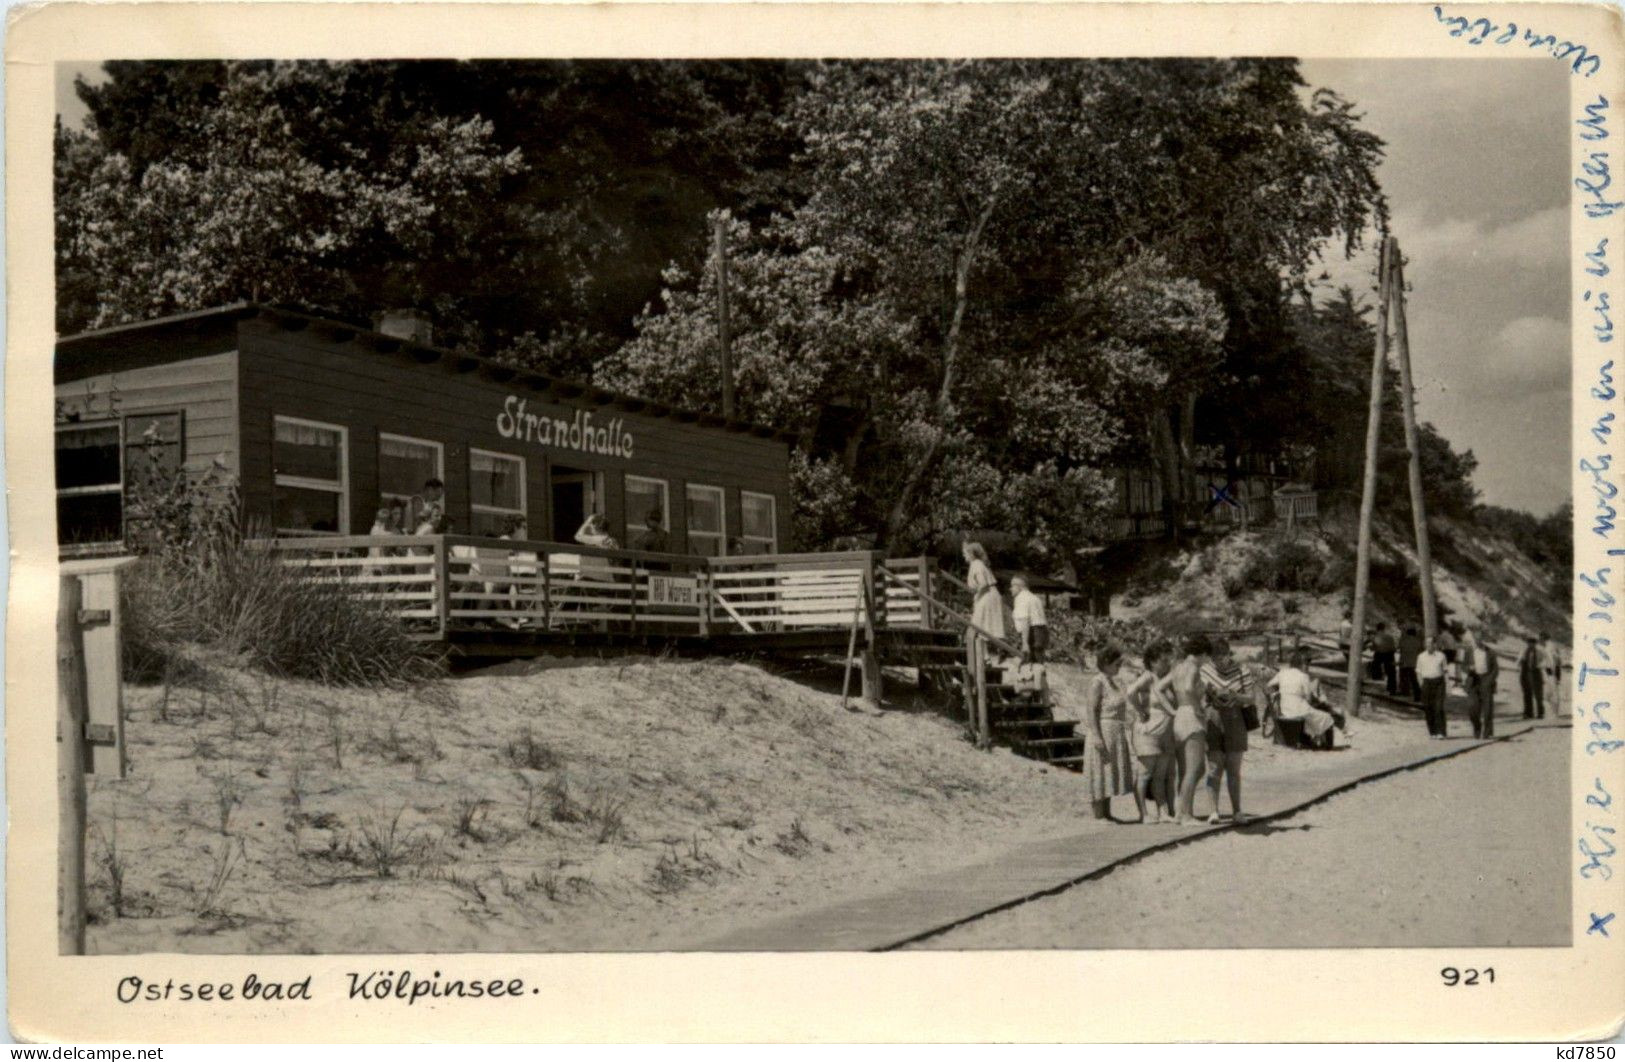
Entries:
{"x":413,"y":325}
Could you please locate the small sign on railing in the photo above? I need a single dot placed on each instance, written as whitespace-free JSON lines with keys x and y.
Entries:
{"x":672,"y":590}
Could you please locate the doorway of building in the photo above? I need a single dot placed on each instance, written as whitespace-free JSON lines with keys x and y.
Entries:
{"x":576,"y":492}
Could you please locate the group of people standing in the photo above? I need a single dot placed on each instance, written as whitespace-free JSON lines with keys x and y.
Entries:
{"x":1157,"y":733}
{"x":1424,"y":669}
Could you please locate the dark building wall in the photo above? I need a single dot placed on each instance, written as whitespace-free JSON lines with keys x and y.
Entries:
{"x":310,"y":374}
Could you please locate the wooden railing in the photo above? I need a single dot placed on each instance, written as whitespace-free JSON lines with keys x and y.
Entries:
{"x":437,"y":583}
{"x":792,"y":591}
{"x":441,"y":583}
{"x":401,"y":573}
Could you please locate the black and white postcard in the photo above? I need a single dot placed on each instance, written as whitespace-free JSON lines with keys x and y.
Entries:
{"x":572,"y":523}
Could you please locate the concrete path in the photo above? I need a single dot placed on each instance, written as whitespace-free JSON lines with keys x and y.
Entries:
{"x":940,"y":901}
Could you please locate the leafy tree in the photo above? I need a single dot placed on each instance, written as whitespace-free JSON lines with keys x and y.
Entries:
{"x":252,"y":209}
{"x":1053,"y":262}
{"x":617,"y":164}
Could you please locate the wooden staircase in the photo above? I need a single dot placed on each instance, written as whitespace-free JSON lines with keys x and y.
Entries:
{"x":1025,"y":721}
{"x":1021,"y":720}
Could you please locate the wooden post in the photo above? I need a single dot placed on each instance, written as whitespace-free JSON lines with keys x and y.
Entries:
{"x":979,"y":658}
{"x":928,"y":593}
{"x":547,"y":588}
{"x":851,"y":650}
{"x":870,"y":658}
{"x":1407,"y":398}
{"x":442,"y":584}
{"x":726,"y":365}
{"x":73,"y":712}
{"x":632,"y":625}
{"x":1368,"y":493}
{"x":702,"y":588}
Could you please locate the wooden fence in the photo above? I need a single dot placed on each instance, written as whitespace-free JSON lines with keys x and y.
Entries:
{"x":443,"y":583}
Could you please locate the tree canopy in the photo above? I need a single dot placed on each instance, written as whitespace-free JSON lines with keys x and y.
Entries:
{"x":975,"y":287}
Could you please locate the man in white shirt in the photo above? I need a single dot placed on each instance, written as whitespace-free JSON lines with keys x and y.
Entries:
{"x":1032,"y":627}
{"x":1430,"y":668}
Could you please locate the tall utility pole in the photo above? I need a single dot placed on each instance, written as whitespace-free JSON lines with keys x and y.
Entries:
{"x":1368,"y":494}
{"x":726,"y":367}
{"x":1419,"y":516}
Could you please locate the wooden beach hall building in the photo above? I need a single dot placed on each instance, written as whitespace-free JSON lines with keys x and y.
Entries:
{"x":320,"y":422}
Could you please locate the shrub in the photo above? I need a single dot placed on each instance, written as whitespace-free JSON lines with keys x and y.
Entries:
{"x":1290,"y":566}
{"x":1078,"y":634}
{"x":525,"y":750}
{"x":241,"y":601}
{"x":200,"y":582}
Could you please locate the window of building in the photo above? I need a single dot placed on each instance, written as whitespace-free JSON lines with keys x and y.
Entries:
{"x":758,"y":518}
{"x":154,"y":448}
{"x":646,"y":497}
{"x":310,"y":461}
{"x":707,"y":526}
{"x":496,"y":490}
{"x":404,"y":466}
{"x":89,"y":483}
{"x":154,"y":445}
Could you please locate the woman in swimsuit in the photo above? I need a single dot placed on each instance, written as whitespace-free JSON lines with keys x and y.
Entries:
{"x":1227,"y":684}
{"x":1190,"y":721}
{"x":1153,"y":734}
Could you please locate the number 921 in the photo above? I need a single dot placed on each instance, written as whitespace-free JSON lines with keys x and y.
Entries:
{"x":1453,"y":977}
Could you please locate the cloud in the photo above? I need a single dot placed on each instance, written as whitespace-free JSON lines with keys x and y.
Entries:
{"x":1529,"y":355}
{"x":1443,"y":252}
{"x":1537,"y":241}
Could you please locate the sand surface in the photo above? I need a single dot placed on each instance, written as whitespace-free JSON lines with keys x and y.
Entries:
{"x":622,"y":806}
{"x":629,"y":806}
{"x":1470,"y":851}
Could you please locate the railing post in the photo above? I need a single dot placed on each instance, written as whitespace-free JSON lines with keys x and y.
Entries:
{"x":442,"y":584}
{"x":547,"y":588}
{"x":876,"y":592}
{"x":866,"y":587}
{"x":978,"y":653}
{"x":632,"y":625}
{"x":927,"y":594}
{"x":702,"y":584}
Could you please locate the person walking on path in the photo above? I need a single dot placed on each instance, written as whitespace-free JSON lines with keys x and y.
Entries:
{"x":1447,"y":646}
{"x":1226,"y":727}
{"x":1410,"y":644}
{"x":1108,"y":762}
{"x":1152,"y":736}
{"x":987,"y":606}
{"x":1032,"y":628}
{"x":1345,"y":636}
{"x":1551,"y":668}
{"x":1430,"y":669}
{"x":1383,"y":650}
{"x":1190,"y":721}
{"x":1482,"y":668}
{"x":1532,"y":681}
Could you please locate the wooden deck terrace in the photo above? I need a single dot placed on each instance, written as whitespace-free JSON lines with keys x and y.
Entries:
{"x":502,"y":597}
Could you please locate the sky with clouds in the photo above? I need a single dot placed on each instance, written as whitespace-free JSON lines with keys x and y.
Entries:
{"x":1477,"y":180}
